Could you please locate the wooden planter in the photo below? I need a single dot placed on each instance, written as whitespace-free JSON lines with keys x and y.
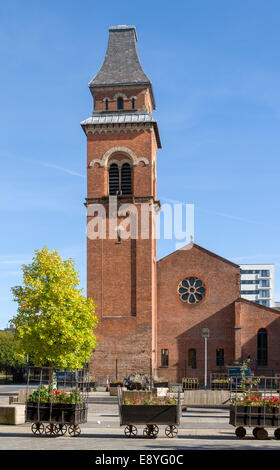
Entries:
{"x":113,"y":389}
{"x":56,"y":413}
{"x":219,"y":386}
{"x":254,"y":416}
{"x":149,"y":414}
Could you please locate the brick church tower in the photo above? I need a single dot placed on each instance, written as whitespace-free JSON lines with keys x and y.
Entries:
{"x":122,"y":144}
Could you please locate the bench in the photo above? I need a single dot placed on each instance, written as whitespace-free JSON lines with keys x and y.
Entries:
{"x":12,"y":414}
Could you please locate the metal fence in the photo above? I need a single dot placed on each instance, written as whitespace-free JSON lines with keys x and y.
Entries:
{"x":253,"y":386}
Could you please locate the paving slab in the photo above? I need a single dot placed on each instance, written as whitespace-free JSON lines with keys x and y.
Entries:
{"x":200,"y":429}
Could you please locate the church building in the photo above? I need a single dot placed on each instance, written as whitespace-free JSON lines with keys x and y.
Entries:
{"x":152,"y":313}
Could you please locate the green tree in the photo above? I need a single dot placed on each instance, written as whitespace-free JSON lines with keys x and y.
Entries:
{"x":8,"y":350}
{"x":55,"y":322}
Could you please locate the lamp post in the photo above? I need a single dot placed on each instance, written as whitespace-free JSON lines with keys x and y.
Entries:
{"x":205,"y":334}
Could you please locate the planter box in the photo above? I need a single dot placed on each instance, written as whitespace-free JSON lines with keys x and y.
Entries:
{"x":190,"y":384}
{"x":161,"y":384}
{"x":134,"y":394}
{"x":254,"y":416}
{"x":113,"y":390}
{"x":149,"y":414}
{"x":219,"y":386}
{"x":56,"y":412}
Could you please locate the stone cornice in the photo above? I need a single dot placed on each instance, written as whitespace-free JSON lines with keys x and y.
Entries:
{"x":122,"y":127}
{"x":123,"y":200}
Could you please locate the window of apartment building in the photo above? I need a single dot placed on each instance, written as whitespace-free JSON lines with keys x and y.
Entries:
{"x":250,"y":271}
{"x":249,"y":292}
{"x":265,"y":273}
{"x":250,"y":281}
{"x":264,"y":283}
{"x":262,"y":347}
{"x":220,"y":359}
{"x":164,"y":358}
{"x":264,"y":293}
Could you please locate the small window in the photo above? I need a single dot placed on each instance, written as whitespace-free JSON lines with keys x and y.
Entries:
{"x":133,"y":103}
{"x":106,"y":104}
{"x":120,"y":103}
{"x":164,"y":358}
{"x":192,"y":358}
{"x":262,"y":347}
{"x":220,"y":359}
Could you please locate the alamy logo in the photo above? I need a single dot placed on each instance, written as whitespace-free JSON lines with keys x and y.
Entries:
{"x":122,"y":221}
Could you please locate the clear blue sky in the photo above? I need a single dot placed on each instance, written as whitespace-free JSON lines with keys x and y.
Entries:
{"x":215,"y":69}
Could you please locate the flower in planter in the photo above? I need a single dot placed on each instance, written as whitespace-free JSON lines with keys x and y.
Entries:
{"x":258,"y":401}
{"x":150,"y":401}
{"x":45,"y":395}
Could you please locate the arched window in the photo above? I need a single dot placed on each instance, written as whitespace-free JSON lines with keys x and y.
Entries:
{"x":126,"y":183}
{"x":120,"y":103}
{"x":106,"y":104}
{"x":262,"y":347}
{"x":114,"y":183}
{"x":192,"y":358}
{"x":133,"y":103}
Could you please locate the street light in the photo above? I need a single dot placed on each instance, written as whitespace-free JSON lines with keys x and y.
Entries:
{"x":205,"y":334}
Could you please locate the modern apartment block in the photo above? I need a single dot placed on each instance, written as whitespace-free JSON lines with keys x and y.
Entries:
{"x":257,"y":283}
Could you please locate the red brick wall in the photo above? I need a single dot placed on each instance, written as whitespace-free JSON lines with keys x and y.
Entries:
{"x":141,"y":94}
{"x":180,"y":324}
{"x":139,"y":142}
{"x":121,"y":277}
{"x":250,"y":318}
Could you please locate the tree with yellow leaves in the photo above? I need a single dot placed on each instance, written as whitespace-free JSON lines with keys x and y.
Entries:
{"x":55,"y":322}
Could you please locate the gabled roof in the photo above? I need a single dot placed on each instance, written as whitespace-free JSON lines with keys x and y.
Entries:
{"x":121,"y":65}
{"x":210,"y":253}
{"x":254,"y":304}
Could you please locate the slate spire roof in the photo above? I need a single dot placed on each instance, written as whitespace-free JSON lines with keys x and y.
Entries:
{"x":121,"y":65}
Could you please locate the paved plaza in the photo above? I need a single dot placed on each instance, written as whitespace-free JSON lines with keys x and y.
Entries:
{"x":200,"y":429}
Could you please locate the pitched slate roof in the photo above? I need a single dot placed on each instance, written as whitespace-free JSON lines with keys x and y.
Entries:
{"x":122,"y":118}
{"x":121,"y":65}
{"x":118,"y":118}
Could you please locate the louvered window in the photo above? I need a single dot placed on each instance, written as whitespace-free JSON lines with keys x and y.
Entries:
{"x":114,"y":184}
{"x":126,"y":186}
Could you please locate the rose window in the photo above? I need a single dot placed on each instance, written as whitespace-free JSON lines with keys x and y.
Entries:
{"x":191,"y":290}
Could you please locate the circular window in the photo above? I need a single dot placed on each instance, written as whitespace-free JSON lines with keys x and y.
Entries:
{"x":191,"y":290}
